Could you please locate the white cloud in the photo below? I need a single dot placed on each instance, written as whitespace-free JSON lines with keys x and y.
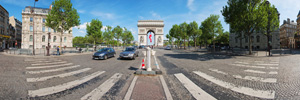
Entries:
{"x":82,"y":26}
{"x":155,"y":15}
{"x":103,"y":28}
{"x":102,"y":15}
{"x":81,"y":11}
{"x":287,"y":8}
{"x":190,"y":5}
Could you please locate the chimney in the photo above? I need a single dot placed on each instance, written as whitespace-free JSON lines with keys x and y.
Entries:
{"x":288,"y":20}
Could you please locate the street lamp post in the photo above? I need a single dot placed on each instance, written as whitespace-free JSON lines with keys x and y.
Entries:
{"x":268,"y":28}
{"x":32,"y":11}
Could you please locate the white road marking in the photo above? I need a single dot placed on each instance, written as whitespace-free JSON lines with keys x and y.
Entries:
{"x":217,"y":71}
{"x":52,"y":70}
{"x":273,"y":72}
{"x":29,"y":60}
{"x":98,"y":92}
{"x":156,"y":63}
{"x":241,"y":65}
{"x":63,"y":87}
{"x":267,"y":94}
{"x":130,"y":89}
{"x":255,"y":71}
{"x":166,"y":89}
{"x":49,"y":66}
{"x":273,"y":67}
{"x":59,"y":75}
{"x":268,"y":64}
{"x":45,"y":61}
{"x":49,"y":63}
{"x":241,"y":62}
{"x":196,"y":91}
{"x":252,"y":78}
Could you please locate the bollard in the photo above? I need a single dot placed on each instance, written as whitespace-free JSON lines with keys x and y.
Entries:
{"x":148,"y":59}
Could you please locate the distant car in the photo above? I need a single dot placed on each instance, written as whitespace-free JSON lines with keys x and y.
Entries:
{"x":129,"y":53}
{"x":141,"y":47}
{"x":104,"y":53}
{"x":168,"y":48}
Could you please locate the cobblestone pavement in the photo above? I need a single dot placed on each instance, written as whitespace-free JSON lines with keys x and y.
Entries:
{"x":232,"y":77}
{"x":188,"y":75}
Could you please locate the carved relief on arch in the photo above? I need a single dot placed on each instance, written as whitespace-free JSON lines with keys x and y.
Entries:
{"x":159,"y":39}
{"x":141,"y":39}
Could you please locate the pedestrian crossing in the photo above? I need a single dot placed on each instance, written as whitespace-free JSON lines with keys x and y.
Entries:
{"x":46,"y":69}
{"x":261,"y":72}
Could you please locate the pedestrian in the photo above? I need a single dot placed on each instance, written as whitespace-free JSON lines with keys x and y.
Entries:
{"x":57,"y":50}
{"x":76,"y":47}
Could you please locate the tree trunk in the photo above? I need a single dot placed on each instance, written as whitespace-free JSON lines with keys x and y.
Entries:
{"x":241,"y":46}
{"x":269,"y":48}
{"x":250,"y":45}
{"x":60,"y":44}
{"x":184,"y":43}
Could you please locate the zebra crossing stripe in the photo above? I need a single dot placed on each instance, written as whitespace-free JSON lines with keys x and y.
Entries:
{"x":241,"y":65}
{"x":48,"y":63}
{"x":268,"y":64}
{"x":267,"y":94}
{"x":59,"y":75}
{"x":130,"y":89}
{"x":97,"y":93}
{"x":49,"y":66}
{"x":52,"y":70}
{"x":196,"y":91}
{"x":260,"y":72}
{"x":252,"y":78}
{"x":62,"y":87}
{"x":45,"y":61}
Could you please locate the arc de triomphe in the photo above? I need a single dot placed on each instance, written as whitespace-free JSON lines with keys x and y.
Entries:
{"x":146,"y":26}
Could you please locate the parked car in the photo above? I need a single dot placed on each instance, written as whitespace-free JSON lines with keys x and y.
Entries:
{"x":104,"y":53}
{"x":129,"y":53}
{"x":167,"y":48}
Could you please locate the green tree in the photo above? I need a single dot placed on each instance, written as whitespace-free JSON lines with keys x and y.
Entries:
{"x":170,"y":39}
{"x":194,"y":32}
{"x":183,"y":31}
{"x":117,"y":33}
{"x":175,"y":32}
{"x":223,"y":38}
{"x":127,"y":37}
{"x":108,"y":35}
{"x":246,"y":16}
{"x":62,"y":17}
{"x":211,"y":27}
{"x":94,"y":30}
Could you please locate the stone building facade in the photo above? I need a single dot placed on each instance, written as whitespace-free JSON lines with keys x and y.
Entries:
{"x":41,"y":30}
{"x":259,"y":41}
{"x":297,"y":36}
{"x":4,"y":28}
{"x":287,"y":33}
{"x":17,"y":31}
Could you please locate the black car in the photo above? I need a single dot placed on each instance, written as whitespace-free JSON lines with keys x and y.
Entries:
{"x":104,"y":53}
{"x":141,"y":47}
{"x":129,"y":53}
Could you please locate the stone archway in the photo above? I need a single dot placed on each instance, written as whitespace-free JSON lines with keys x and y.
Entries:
{"x":146,"y":26}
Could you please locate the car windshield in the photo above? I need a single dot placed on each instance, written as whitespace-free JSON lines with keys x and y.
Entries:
{"x":102,"y":50}
{"x":129,"y":49}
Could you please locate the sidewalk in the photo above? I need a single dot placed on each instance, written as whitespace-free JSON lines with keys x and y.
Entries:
{"x":151,"y":87}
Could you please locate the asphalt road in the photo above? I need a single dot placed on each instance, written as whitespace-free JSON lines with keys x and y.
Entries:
{"x":215,"y":75}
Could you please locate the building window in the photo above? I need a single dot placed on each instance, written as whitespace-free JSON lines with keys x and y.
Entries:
{"x":30,"y":46}
{"x":43,"y":28}
{"x":54,"y":30}
{"x":49,"y":29}
{"x":236,"y":40}
{"x":246,"y":39}
{"x":43,"y":38}
{"x":54,"y":39}
{"x":30,"y":38}
{"x":257,"y":39}
{"x":31,"y":28}
{"x":252,"y":39}
{"x":65,"y":39}
{"x":44,"y":20}
{"x":31,"y":19}
{"x":43,"y":46}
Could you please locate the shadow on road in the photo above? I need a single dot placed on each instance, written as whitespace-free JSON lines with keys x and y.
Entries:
{"x":132,"y":68}
{"x":200,"y":57}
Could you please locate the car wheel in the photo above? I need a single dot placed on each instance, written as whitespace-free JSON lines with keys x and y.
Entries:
{"x":105,"y":57}
{"x":137,"y":55}
{"x":133,"y":58}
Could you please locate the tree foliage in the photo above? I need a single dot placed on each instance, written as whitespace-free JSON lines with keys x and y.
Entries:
{"x":127,"y":37}
{"x":62,"y":17}
{"x":94,"y":30}
{"x":117,"y":33}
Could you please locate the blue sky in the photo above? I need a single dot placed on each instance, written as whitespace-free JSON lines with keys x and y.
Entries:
{"x":126,"y":13}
